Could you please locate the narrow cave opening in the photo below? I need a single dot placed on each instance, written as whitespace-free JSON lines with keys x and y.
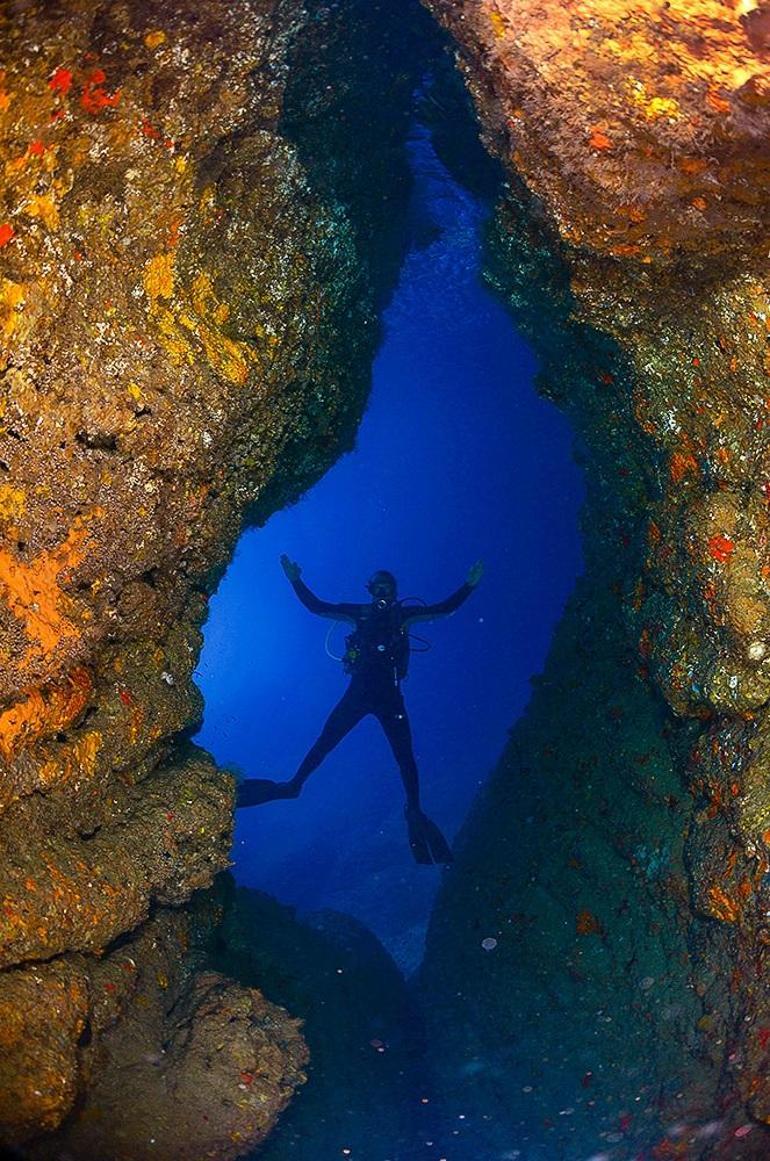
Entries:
{"x":204,"y":216}
{"x":457,"y":458}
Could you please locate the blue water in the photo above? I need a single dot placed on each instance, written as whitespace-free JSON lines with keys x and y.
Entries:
{"x":457,"y":458}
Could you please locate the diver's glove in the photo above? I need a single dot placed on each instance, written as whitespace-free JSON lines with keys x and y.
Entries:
{"x":291,"y":568}
{"x":475,"y":574}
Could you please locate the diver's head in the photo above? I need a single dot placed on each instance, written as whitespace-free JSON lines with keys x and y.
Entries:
{"x":382,"y":586}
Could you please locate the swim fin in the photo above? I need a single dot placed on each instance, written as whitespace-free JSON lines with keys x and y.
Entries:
{"x":426,"y":840}
{"x":255,"y":791}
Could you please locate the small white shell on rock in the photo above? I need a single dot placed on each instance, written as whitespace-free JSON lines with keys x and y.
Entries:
{"x":757,"y":650}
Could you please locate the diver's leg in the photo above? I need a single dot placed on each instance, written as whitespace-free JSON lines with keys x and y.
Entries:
{"x":393,"y":718}
{"x":346,"y":714}
{"x":426,"y":840}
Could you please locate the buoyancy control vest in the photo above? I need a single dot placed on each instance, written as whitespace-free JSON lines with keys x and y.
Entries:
{"x":379,"y":642}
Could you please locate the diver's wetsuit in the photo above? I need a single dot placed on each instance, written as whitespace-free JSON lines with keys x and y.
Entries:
{"x":375,"y":682}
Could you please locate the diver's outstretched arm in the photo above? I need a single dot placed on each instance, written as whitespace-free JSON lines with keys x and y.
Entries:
{"x":451,"y":603}
{"x":339,"y":611}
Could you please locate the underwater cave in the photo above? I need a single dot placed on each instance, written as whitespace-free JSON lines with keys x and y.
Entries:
{"x":355,"y":281}
{"x":455,"y":448}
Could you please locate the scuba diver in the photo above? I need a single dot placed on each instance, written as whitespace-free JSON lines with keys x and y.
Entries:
{"x":376,"y":658}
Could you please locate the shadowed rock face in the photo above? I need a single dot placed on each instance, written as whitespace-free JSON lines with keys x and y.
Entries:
{"x":152,"y":1034}
{"x":188,"y":294}
{"x":358,"y":1020}
{"x":633,"y":250}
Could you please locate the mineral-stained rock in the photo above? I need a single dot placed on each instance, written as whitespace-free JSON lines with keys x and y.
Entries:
{"x":633,"y":248}
{"x":66,"y":893}
{"x":181,"y":1063}
{"x":189,"y":285}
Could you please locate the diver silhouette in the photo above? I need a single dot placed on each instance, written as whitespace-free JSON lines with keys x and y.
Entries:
{"x":376,"y":658}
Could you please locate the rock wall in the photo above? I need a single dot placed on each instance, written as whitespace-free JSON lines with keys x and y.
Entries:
{"x":188,"y":306}
{"x":624,"y":873}
{"x":178,"y":1061}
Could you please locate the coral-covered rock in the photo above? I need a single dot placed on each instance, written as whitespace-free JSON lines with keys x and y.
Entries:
{"x":640,"y":126}
{"x":189,"y":283}
{"x":180,"y":1061}
{"x":632,"y":246}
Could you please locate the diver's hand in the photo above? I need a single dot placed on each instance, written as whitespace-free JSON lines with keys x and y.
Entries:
{"x":475,"y":574}
{"x":291,"y":568}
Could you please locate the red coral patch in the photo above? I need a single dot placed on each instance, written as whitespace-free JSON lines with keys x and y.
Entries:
{"x":94,"y":98}
{"x":721,"y":548}
{"x":61,"y":81}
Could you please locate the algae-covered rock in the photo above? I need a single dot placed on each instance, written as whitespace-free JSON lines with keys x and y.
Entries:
{"x":631,"y":246}
{"x":180,"y":1061}
{"x":165,"y":840}
{"x":43,"y":1010}
{"x":640,"y":127}
{"x":189,"y":288}
{"x":561,"y":1009}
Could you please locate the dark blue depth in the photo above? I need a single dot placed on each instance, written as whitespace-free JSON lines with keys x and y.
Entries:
{"x":457,"y":458}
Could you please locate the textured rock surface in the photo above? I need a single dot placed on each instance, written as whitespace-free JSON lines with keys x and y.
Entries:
{"x":364,"y":1078}
{"x":78,"y":893}
{"x":641,"y":126}
{"x":180,"y":1063}
{"x":633,"y":249}
{"x":188,"y":299}
{"x":159,"y":355}
{"x":579,"y":1030}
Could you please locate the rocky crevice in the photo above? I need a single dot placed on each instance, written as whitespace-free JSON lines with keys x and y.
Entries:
{"x":192,"y":259}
